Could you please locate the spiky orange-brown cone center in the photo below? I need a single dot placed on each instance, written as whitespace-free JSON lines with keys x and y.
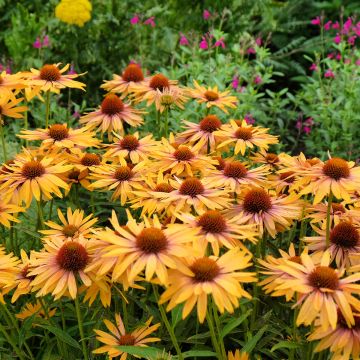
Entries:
{"x":257,"y":200}
{"x":191,"y":187}
{"x":211,"y":95}
{"x":345,"y":235}
{"x":74,"y":174}
{"x":58,"y":132}
{"x":324,"y":277}
{"x":212,"y":222}
{"x":295,"y":259}
{"x":112,"y":105}
{"x":133,"y":73}
{"x":69,"y":230}
{"x":338,"y":208}
{"x":336,"y":168}
{"x":129,"y":142}
{"x":235,"y":169}
{"x":72,"y":256}
{"x":210,"y":123}
{"x":204,"y":269}
{"x":32,"y":169}
{"x":123,"y":173}
{"x":159,"y":82}
{"x":271,"y":158}
{"x":90,"y":159}
{"x":50,"y":73}
{"x":243,"y":133}
{"x":163,"y":187}
{"x":127,"y":339}
{"x":183,"y":153}
{"x":151,"y":240}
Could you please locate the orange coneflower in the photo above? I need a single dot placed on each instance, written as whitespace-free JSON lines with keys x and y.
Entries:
{"x":8,"y":107}
{"x":274,"y":161}
{"x":321,"y":289}
{"x":318,"y":213}
{"x":10,"y":84}
{"x":197,"y":194}
{"x":343,"y":341}
{"x":213,"y":97}
{"x":273,"y":213}
{"x":130,"y":147}
{"x":344,"y":239}
{"x":112,"y":115}
{"x":119,"y":336}
{"x":132,"y":75}
{"x":99,"y":287}
{"x":23,"y":281}
{"x":50,"y":78}
{"x":235,"y":176}
{"x":202,"y":135}
{"x":202,"y":276}
{"x":219,"y":230}
{"x":7,"y":212}
{"x":60,"y":136}
{"x":238,"y":355}
{"x":32,"y":176}
{"x":35,"y":310}
{"x":58,"y":266}
{"x":147,"y":246}
{"x":76,"y":225}
{"x":9,"y":271}
{"x":181,"y":160}
{"x":245,"y":136}
{"x":122,"y":179}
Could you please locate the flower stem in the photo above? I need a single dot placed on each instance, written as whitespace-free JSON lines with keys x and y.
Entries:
{"x":167,"y":324}
{"x":166,"y":123}
{"x":217,"y":323}
{"x":3,"y":139}
{"x":210,"y":321}
{"x":81,"y":328}
{"x":12,"y":343}
{"x":47,"y":109}
{"x":26,"y":121}
{"x":328,"y":219}
{"x":40,"y":222}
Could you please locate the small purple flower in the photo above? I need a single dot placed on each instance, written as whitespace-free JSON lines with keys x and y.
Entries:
{"x":249,"y":119}
{"x":309,"y":121}
{"x":235,"y":82}
{"x":150,"y":21}
{"x":203,"y":44}
{"x":134,"y":20}
{"x":258,"y":41}
{"x":313,"y":67}
{"x":46,"y":41}
{"x":329,"y":74}
{"x":337,"y":39}
{"x":258,"y":79}
{"x":357,"y":62}
{"x":299,"y":125}
{"x":316,"y":21}
{"x":251,"y":51}
{"x":76,"y":115}
{"x":327,"y":26}
{"x":307,"y":130}
{"x":338,"y":56}
{"x":336,"y":25}
{"x":351,"y":40}
{"x":183,"y":40}
{"x":220,"y":42}
{"x":72,"y":70}
{"x":330,"y":55}
{"x":347,"y":25}
{"x":206,"y":14}
{"x":37,"y":43}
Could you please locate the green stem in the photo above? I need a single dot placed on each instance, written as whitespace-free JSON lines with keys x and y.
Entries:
{"x":47,"y":109}
{"x":210,"y":321}
{"x":158,"y":119}
{"x":51,"y":207}
{"x":81,"y":328}
{"x":11,"y":236}
{"x":11,"y":342}
{"x":329,"y":207}
{"x":26,"y":121}
{"x":3,"y":139}
{"x":255,"y":287}
{"x":92,"y":202}
{"x":125,"y":313}
{"x":166,"y":124}
{"x":218,"y":328}
{"x":167,"y":324}
{"x":40,"y":224}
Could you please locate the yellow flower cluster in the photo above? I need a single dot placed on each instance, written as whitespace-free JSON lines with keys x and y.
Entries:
{"x":74,"y":12}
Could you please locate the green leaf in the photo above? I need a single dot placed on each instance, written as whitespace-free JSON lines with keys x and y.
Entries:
{"x":176,"y":315}
{"x":250,"y":345}
{"x":140,"y":351}
{"x":62,"y":335}
{"x":234,"y":323}
{"x":198,"y":353}
{"x":285,"y":344}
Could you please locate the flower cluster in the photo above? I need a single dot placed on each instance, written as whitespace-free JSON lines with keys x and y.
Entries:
{"x":74,"y":12}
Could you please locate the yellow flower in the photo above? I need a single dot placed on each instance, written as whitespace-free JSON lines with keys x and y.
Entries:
{"x":119,"y":336}
{"x":74,"y":12}
{"x":8,"y":107}
{"x":35,"y":309}
{"x":7,"y":211}
{"x":237,"y":355}
{"x":23,"y":281}
{"x":203,"y":276}
{"x":11,"y":84}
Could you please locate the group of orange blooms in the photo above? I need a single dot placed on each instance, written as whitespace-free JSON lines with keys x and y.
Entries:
{"x":207,"y":196}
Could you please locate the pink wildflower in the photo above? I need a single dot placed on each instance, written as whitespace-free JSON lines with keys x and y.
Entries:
{"x":37,"y":43}
{"x":183,"y":40}
{"x":337,"y":39}
{"x":347,"y":61}
{"x":235,"y":82}
{"x":330,"y":55}
{"x":249,"y":119}
{"x":220,"y":42}
{"x":251,"y":51}
{"x":258,"y":79}
{"x":316,"y":21}
{"x":72,"y":70}
{"x":307,"y":130}
{"x":309,"y":121}
{"x":206,"y":14}
{"x":76,"y":115}
{"x":299,"y":125}
{"x":327,"y":26}
{"x":313,"y":67}
{"x":258,"y":41}
{"x":150,"y":21}
{"x":357,"y":62}
{"x":329,"y":73}
{"x":347,"y":25}
{"x":351,"y":40}
{"x":46,"y":41}
{"x":336,"y":25}
{"x":338,"y":56}
{"x":203,"y":44}
{"x":134,"y":20}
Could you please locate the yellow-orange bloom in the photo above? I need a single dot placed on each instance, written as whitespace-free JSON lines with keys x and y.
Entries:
{"x":8,"y":107}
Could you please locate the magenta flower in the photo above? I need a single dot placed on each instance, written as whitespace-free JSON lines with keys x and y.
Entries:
{"x":258,"y":41}
{"x":327,"y":26}
{"x":150,"y":21}
{"x":347,"y":25}
{"x":183,"y":40}
{"x":316,"y":21}
{"x":351,"y":40}
{"x":72,"y":70}
{"x":220,"y":42}
{"x":46,"y":41}
{"x":298,"y":124}
{"x":338,"y":56}
{"x":206,"y":14}
{"x":329,"y":74}
{"x":258,"y":79}
{"x":307,"y":130}
{"x":337,"y":39}
{"x":37,"y":43}
{"x":309,"y":121}
{"x":134,"y":20}
{"x":76,"y":115}
{"x":249,"y":119}
{"x":330,"y":55}
{"x":336,"y":25}
{"x":357,"y":62}
{"x":313,"y":67}
{"x":235,"y":82}
{"x":251,"y":51}
{"x":203,"y":44}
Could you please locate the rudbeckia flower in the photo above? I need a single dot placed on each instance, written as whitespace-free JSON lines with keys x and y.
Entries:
{"x":9,"y":108}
